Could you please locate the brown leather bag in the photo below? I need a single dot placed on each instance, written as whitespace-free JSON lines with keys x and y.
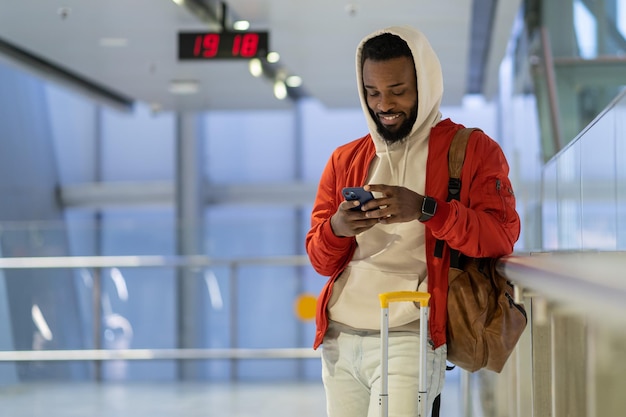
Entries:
{"x":484,"y":323}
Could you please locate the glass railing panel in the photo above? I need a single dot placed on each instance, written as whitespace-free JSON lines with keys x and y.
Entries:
{"x":549,"y":207}
{"x":620,"y":171}
{"x":568,"y":199}
{"x":590,"y":186}
{"x":244,"y":304}
{"x":598,"y":184}
{"x":620,"y":180}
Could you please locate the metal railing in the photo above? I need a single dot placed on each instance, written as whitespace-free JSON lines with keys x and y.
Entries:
{"x":587,"y":281}
{"x":563,"y":365}
{"x":197,"y":262}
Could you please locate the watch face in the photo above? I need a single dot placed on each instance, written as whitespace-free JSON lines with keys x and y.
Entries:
{"x":429,"y":206}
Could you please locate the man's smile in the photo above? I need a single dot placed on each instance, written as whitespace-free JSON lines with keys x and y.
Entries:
{"x":389,"y":119}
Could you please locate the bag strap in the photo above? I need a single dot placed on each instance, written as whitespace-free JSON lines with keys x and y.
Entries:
{"x":456,"y":157}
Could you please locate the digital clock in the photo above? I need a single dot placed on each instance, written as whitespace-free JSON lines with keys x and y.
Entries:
{"x":222,"y":45}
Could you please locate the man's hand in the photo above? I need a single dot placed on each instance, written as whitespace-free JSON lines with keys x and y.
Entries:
{"x":346,"y":222}
{"x":397,"y":205}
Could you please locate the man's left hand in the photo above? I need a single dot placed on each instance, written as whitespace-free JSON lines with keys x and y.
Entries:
{"x":397,"y":204}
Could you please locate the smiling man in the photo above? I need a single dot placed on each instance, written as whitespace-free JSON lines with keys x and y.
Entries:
{"x":391,"y":94}
{"x":389,"y":245}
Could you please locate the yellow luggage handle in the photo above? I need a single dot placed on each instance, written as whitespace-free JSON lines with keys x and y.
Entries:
{"x":415,"y":296}
{"x":385,"y":298}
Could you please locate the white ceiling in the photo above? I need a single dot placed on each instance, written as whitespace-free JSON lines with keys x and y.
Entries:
{"x":315,"y":39}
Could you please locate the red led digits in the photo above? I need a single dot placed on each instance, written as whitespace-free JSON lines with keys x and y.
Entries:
{"x":236,"y":45}
{"x":246,"y":45}
{"x":197,"y":45}
{"x":210,"y":45}
{"x":222,"y":45}
{"x":206,"y":45}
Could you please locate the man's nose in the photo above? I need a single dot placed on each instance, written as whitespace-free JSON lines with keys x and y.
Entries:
{"x":385,"y":103}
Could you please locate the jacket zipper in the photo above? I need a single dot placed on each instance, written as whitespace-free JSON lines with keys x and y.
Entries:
{"x":499,"y":190}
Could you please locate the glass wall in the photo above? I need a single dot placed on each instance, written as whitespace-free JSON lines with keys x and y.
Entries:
{"x":576,"y":49}
{"x":519,"y":119}
{"x":563,"y":66}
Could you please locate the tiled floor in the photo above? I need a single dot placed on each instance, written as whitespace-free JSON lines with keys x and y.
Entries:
{"x":178,"y":400}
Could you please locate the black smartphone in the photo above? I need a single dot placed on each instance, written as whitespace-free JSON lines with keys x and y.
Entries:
{"x":357,"y":193}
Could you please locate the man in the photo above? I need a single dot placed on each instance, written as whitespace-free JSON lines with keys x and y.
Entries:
{"x":389,"y":244}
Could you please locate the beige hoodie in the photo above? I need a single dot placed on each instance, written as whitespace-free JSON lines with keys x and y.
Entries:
{"x":392,"y":257}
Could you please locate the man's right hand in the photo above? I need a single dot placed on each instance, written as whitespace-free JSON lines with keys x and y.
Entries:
{"x":346,"y":222}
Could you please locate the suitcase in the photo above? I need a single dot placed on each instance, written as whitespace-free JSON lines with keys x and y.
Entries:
{"x":419,"y":297}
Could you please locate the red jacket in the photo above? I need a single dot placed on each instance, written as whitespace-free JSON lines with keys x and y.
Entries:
{"x":484,"y":225}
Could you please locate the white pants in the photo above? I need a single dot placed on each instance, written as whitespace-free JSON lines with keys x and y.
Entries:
{"x":351,"y":374}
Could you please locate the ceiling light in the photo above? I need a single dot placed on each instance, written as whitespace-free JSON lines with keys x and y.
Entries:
{"x":293,"y":81}
{"x":241,"y":25}
{"x":280,"y":90}
{"x":273,"y":57}
{"x":179,"y":2}
{"x":113,"y":42}
{"x":256,"y":67}
{"x":184,"y":86}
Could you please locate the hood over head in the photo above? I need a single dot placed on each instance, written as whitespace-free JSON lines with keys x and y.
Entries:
{"x":429,"y":82}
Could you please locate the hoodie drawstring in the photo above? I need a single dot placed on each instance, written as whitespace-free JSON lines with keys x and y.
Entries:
{"x":396,"y":176}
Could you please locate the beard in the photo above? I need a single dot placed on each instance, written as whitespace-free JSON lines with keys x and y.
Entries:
{"x":403,"y":131}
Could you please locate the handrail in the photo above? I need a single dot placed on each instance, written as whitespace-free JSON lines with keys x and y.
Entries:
{"x":150,"y":261}
{"x":155,"y":354}
{"x":587,"y":277}
{"x":145,"y":261}
{"x":590,"y":281}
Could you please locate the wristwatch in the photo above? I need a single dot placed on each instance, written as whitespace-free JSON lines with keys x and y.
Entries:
{"x":429,"y":207}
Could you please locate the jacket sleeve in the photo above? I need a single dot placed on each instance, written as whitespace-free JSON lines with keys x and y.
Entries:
{"x":328,"y":253}
{"x":486,"y":224}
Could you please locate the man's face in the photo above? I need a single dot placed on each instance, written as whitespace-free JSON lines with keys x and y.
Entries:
{"x":391,"y":95}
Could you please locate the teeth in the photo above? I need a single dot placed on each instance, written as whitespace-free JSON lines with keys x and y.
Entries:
{"x":391,"y":117}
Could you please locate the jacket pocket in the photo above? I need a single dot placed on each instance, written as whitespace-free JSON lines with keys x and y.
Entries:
{"x":505,"y":198}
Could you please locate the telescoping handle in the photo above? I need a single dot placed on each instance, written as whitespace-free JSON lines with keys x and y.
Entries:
{"x":399,"y":296}
{"x":417,"y":297}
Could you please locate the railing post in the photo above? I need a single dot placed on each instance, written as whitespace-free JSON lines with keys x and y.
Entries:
{"x":97,"y":319}
{"x":607,"y":348}
{"x":234,"y":317}
{"x":466,"y":394}
{"x":541,"y":341}
{"x":569,"y":364}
